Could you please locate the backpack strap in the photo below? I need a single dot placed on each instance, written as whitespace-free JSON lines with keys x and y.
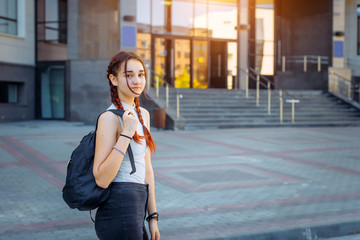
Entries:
{"x":131,"y":155}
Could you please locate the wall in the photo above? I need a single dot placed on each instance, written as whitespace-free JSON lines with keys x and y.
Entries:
{"x":98,"y":28}
{"x":304,"y":28}
{"x":89,"y":89}
{"x":302,"y":80}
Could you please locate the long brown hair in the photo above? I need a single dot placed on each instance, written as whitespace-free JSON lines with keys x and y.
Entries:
{"x":114,"y":66}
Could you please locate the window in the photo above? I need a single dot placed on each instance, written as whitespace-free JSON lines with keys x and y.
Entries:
{"x":8,"y":92}
{"x":8,"y":17}
{"x":264,"y":43}
{"x":53,"y":27}
{"x":358,"y":29}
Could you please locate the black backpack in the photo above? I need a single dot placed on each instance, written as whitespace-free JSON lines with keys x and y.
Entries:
{"x":80,"y":190}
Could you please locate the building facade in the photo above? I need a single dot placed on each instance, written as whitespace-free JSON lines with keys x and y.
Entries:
{"x":54,"y":53}
{"x":17,"y":60}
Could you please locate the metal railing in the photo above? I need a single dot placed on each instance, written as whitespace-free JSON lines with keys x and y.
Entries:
{"x":159,"y":82}
{"x":304,"y":63}
{"x":282,"y":93}
{"x":251,"y":74}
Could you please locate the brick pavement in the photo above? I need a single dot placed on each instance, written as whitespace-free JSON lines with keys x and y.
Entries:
{"x":270,"y":183}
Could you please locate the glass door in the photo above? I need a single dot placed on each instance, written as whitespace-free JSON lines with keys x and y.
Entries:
{"x":160,"y":56}
{"x":218,"y":64}
{"x":200,"y":64}
{"x":52,"y":92}
{"x":172,"y":61}
{"x":181,"y":61}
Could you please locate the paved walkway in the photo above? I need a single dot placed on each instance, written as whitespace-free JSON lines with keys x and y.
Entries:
{"x":271,"y":183}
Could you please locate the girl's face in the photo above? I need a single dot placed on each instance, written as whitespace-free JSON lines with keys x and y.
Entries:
{"x":134,"y":77}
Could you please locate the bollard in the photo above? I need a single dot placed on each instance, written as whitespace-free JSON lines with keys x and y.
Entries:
{"x":247,"y":83}
{"x":305,"y":63}
{"x":319,"y":63}
{"x":167,"y":95}
{"x":157,"y":87}
{"x":148,"y":84}
{"x":178,"y":96}
{"x":283,"y":63}
{"x":257,"y":89}
{"x":281,"y":107}
{"x":292,"y":112}
{"x":293,"y":101}
{"x":269,"y":98}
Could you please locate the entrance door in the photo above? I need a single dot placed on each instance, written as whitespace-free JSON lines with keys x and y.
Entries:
{"x":172,"y":61}
{"x":182,"y":63}
{"x":52,"y":92}
{"x":200,"y":64}
{"x":218,"y":64}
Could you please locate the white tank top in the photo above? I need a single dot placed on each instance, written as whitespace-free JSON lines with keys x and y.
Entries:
{"x":139,"y":151}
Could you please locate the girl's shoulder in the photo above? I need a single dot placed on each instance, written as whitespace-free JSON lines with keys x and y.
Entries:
{"x":108,"y":117}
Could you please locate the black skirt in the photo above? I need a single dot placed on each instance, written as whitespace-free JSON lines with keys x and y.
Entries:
{"x":122,"y":216}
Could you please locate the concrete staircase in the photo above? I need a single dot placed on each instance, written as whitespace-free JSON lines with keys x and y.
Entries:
{"x":221,"y":108}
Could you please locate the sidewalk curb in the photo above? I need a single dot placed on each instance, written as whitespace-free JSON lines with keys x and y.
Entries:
{"x":311,"y":233}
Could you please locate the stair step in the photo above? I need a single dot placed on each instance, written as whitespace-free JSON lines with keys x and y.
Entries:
{"x":221,"y":108}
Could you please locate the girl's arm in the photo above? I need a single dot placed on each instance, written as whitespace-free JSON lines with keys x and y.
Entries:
{"x":107,"y":160}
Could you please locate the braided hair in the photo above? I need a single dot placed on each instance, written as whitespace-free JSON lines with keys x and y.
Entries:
{"x":114,"y":66}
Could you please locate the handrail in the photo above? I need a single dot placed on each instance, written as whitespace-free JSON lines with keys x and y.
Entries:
{"x":167,"y":85}
{"x":292,"y":99}
{"x":288,"y":95}
{"x":289,"y":98}
{"x":306,"y":60}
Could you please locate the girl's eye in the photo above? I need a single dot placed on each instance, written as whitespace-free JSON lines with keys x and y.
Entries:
{"x":129,"y":75}
{"x":141,"y":75}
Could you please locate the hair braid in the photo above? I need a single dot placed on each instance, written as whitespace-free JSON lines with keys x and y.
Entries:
{"x":148,"y":138}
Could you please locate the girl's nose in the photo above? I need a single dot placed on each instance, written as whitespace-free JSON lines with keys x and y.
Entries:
{"x":136,"y":79}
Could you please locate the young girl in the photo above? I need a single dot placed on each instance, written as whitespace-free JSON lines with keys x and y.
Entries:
{"x":132,"y":188}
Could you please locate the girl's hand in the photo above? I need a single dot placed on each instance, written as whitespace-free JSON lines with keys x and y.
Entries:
{"x":154,"y":230}
{"x":130,"y":123}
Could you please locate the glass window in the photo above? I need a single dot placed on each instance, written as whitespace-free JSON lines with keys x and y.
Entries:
{"x":9,"y":92}
{"x":144,"y":46}
{"x":182,"y":17}
{"x":143,"y":16}
{"x":264,"y":48}
{"x":158,"y":15}
{"x":222,"y":19}
{"x":8,"y":17}
{"x":200,"y":20}
{"x":52,"y":17}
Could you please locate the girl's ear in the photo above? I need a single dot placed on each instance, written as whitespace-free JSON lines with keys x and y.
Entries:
{"x":113,"y":80}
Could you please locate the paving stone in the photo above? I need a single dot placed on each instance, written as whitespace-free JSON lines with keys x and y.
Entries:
{"x":268,"y":183}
